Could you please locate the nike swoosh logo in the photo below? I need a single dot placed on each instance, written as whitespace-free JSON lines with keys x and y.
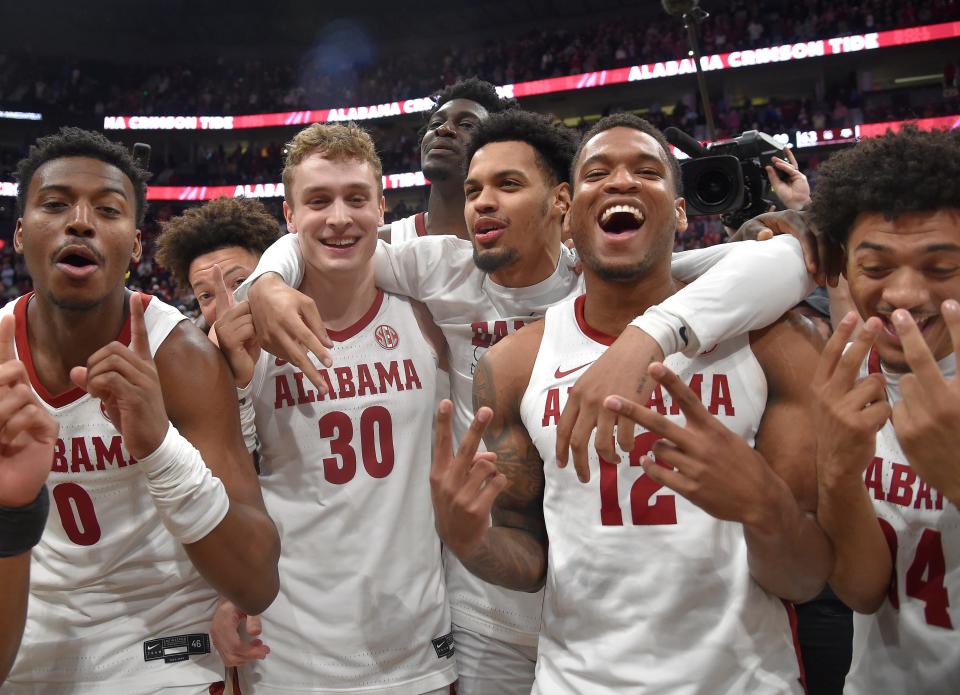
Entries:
{"x":560,"y":374}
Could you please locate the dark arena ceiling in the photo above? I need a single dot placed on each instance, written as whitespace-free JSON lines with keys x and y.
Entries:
{"x":159,"y":30}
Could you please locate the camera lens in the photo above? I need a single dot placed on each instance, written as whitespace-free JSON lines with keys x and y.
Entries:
{"x":713,"y":187}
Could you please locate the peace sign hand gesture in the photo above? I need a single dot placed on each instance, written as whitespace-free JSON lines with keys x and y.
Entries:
{"x":927,"y":418}
{"x":125,"y":379}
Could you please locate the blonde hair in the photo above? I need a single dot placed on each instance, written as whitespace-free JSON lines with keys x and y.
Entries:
{"x":332,"y":141}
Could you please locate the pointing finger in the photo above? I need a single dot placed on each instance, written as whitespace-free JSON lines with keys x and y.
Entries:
{"x":648,"y":419}
{"x":916,"y":351}
{"x":833,"y":350}
{"x":222,"y":297}
{"x":139,"y":342}
{"x":682,"y":394}
{"x":443,"y":438}
{"x":950,"y":310}
{"x":471,"y":441}
{"x":7,"y":331}
{"x":848,"y":367}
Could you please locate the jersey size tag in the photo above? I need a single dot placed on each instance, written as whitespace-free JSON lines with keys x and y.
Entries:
{"x":444,"y":646}
{"x":176,"y":648}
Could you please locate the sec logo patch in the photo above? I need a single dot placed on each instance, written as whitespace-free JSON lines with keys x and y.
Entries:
{"x":386,"y":337}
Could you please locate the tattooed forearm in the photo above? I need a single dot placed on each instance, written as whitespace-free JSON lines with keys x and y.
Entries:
{"x":512,"y":558}
{"x":514,"y":552}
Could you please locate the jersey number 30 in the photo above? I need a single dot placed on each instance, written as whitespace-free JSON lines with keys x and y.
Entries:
{"x":376,"y":444}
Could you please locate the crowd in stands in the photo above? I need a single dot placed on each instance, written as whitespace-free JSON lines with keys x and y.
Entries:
{"x":255,"y":85}
{"x":252,"y":86}
{"x":261,"y":161}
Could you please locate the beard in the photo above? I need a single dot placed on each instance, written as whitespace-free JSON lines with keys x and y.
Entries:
{"x":495,"y":259}
{"x":617,"y":272}
{"x":73,"y":304}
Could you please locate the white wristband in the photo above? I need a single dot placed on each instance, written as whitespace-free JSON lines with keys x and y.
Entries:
{"x":248,"y":417}
{"x":663,"y":327}
{"x":191,"y":501}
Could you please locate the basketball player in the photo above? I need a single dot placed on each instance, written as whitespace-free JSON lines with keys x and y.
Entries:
{"x":888,"y":409}
{"x":517,"y":194}
{"x":117,"y":604}
{"x":27,"y":436}
{"x":646,"y":590}
{"x":443,"y":141}
{"x":228,"y":232}
{"x":362,"y":606}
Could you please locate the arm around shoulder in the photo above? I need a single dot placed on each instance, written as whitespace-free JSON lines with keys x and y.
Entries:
{"x":239,"y":556}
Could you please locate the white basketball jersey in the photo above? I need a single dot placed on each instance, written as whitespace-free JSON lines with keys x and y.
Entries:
{"x":408,"y":228}
{"x":910,"y":645}
{"x":345,"y":477}
{"x":474,"y":314}
{"x":645,"y":592}
{"x":116,"y":606}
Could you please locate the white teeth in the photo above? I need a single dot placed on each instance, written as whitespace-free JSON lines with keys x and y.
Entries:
{"x":340,"y":242}
{"x":637,"y":215}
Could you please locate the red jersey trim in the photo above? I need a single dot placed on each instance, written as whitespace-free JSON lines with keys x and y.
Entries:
{"x":873,"y":362}
{"x":362,"y":322}
{"x":420,"y":223}
{"x":587,"y":329}
{"x":23,"y":352}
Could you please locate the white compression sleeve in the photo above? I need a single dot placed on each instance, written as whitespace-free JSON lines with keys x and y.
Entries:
{"x":284,"y":258}
{"x":191,"y":501}
{"x":752,"y":286}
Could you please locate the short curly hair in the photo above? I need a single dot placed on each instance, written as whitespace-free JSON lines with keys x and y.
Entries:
{"x":553,"y":143}
{"x":216,"y":224}
{"x":76,"y":142}
{"x":907,"y":171}
{"x":629,"y":120}
{"x":474,"y":89}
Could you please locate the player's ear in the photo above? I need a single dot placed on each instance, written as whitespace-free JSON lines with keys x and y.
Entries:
{"x":680,"y":207}
{"x":565,"y":227}
{"x":18,"y":236}
{"x":137,"y":251}
{"x":288,"y":216}
{"x":383,"y":207}
{"x":561,"y":197}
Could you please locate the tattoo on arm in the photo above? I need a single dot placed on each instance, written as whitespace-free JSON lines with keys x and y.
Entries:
{"x":514,"y":553}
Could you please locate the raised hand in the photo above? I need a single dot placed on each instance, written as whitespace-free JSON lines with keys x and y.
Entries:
{"x":125,"y":379}
{"x":235,"y":332}
{"x":463,"y":486}
{"x":620,"y":371}
{"x":788,"y":182}
{"x":927,"y":418}
{"x":27,"y":431}
{"x":289,"y":326}
{"x":850,"y":410}
{"x":701,"y":460}
{"x":229,"y":624}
